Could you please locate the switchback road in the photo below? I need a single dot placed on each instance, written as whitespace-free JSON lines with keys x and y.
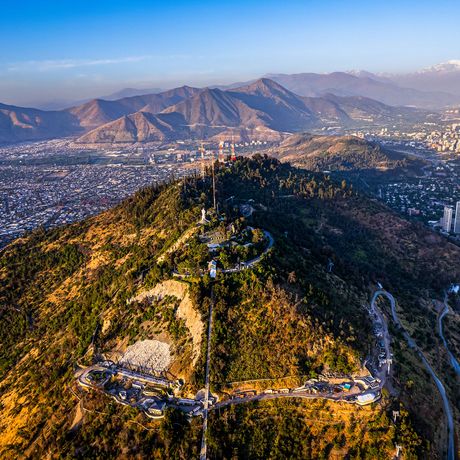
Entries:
{"x":256,"y":260}
{"x":385,"y":335}
{"x":437,"y":381}
{"x":453,"y":361}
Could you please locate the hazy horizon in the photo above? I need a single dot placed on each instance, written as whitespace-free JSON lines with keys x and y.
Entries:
{"x":58,"y":53}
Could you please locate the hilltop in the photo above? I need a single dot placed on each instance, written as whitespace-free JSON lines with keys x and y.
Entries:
{"x":339,"y":153}
{"x":77,"y":295}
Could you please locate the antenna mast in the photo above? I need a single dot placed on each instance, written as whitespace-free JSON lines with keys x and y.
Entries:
{"x":213,"y":183}
{"x":221,"y":152}
{"x":232,"y":155}
{"x":203,"y":166}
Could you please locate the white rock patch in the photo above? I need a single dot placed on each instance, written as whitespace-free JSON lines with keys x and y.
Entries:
{"x":186,"y":311}
{"x":150,"y":355}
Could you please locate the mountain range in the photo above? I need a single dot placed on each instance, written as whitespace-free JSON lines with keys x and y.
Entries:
{"x":439,"y":77}
{"x":365,"y":84}
{"x":129,"y":92}
{"x":99,"y":111}
{"x":432,"y":87}
{"x":261,"y":109}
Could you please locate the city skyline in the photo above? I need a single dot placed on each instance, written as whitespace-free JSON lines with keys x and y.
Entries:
{"x":56,"y":52}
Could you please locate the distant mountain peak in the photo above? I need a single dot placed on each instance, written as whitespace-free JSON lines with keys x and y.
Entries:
{"x":211,"y":91}
{"x":130,"y":92}
{"x":452,"y":65}
{"x":265,"y":87}
{"x":264,"y":81}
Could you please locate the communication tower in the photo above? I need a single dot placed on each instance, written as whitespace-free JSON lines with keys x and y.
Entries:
{"x":202,"y":151}
{"x":221,"y":157}
{"x":232,"y":148}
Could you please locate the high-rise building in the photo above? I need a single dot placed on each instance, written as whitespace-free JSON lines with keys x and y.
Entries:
{"x":447,"y":218}
{"x":457,"y":218}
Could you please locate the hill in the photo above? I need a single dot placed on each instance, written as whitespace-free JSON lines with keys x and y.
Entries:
{"x":215,"y":109}
{"x":19,"y":124}
{"x":284,"y":109}
{"x":138,"y":127}
{"x":85,"y":292}
{"x":98,"y":111}
{"x":338,"y":153}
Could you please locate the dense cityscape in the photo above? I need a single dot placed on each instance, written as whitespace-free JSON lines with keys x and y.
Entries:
{"x":49,"y":184}
{"x":432,"y":195}
{"x":48,"y":189}
{"x":427,"y":197}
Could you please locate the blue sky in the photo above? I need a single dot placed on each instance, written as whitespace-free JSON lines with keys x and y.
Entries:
{"x":76,"y":49}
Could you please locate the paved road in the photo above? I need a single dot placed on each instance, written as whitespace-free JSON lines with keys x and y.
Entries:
{"x":453,"y":361}
{"x":263,"y":397}
{"x":437,"y":381}
{"x":386,"y":336}
{"x":251,"y":263}
{"x":203,"y":452}
{"x":271,"y":241}
{"x":307,"y":395}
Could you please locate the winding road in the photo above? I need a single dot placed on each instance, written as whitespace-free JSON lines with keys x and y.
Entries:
{"x":292,"y":394}
{"x":437,"y":381}
{"x":385,"y":336}
{"x":453,"y":361}
{"x":256,"y":260}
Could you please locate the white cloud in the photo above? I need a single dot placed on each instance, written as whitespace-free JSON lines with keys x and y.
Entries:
{"x":47,"y":65}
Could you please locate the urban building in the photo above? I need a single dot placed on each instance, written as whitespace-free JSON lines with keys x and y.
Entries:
{"x":457,"y":218}
{"x":446,"y":221}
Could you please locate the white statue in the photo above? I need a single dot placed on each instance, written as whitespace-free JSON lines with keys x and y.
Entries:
{"x":203,"y":217}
